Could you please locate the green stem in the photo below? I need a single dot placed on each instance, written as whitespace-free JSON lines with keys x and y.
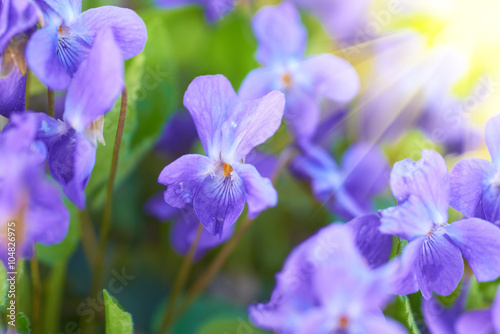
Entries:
{"x":106,"y":216}
{"x":88,"y":237}
{"x":53,"y":302}
{"x":50,"y":95}
{"x":180,"y":283}
{"x":27,"y":93}
{"x":37,"y":292}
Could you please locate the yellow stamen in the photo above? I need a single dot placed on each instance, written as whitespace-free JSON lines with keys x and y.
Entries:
{"x":286,"y":78}
{"x":227,"y":169}
{"x":343,"y":322}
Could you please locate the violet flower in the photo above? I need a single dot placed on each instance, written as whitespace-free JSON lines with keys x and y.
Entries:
{"x":326,"y":286}
{"x":178,"y":136}
{"x":26,"y":196}
{"x":305,"y":81}
{"x":432,"y":260}
{"x":475,"y":182}
{"x":214,"y":9}
{"x":17,"y":20}
{"x":219,"y":184}
{"x":346,"y":189}
{"x":55,"y":52}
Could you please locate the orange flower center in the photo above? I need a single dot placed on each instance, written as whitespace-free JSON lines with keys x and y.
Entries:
{"x":227,"y":169}
{"x":286,"y":78}
{"x":343,"y":322}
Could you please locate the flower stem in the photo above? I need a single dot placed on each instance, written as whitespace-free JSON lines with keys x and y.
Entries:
{"x":27,"y":92}
{"x":98,"y":272}
{"x":51,"y":111}
{"x":89,"y":239}
{"x":36,"y":284}
{"x":180,"y":282}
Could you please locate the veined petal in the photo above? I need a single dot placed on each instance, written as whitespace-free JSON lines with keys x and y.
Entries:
{"x":183,"y":177}
{"x":440,"y":266}
{"x":129,"y":30}
{"x":42,"y":58}
{"x":479,"y":242}
{"x":260,"y":191}
{"x":16,"y":16}
{"x":477,"y":322}
{"x":493,"y":139}
{"x":280,"y":34}
{"x":375,"y":246}
{"x":491,"y":201}
{"x":12,"y":93}
{"x":468,"y":180}
{"x":69,"y":10}
{"x":96,"y":85}
{"x":427,"y":179}
{"x":210,"y":100}
{"x":330,"y":77}
{"x":220,"y":199}
{"x":72,"y":49}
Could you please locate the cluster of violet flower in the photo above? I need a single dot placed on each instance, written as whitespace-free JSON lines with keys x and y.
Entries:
{"x":82,"y":54}
{"x":340,"y":279}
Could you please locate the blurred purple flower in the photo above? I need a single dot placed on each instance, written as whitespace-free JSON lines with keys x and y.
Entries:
{"x":475,"y":183}
{"x":26,"y":196}
{"x":432,"y":260}
{"x":178,"y":136}
{"x":17,"y":20}
{"x":305,"y":81}
{"x":326,"y":286}
{"x":55,"y":52}
{"x":214,"y":9}
{"x":348,"y":189}
{"x":218,"y":185}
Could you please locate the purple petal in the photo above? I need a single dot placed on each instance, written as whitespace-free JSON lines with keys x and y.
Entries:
{"x":438,"y":319}
{"x":69,"y":10}
{"x":440,"y":266}
{"x":215,"y":9}
{"x":280,"y":34}
{"x":377,"y":325}
{"x":493,"y":139}
{"x":129,"y":30}
{"x":183,"y":177}
{"x":495,"y":312}
{"x":12,"y":93}
{"x":491,"y":202}
{"x":404,"y":281}
{"x":43,"y":60}
{"x":477,"y":322}
{"x":302,"y":115}
{"x":210,"y":100}
{"x":16,"y":16}
{"x":178,"y":136}
{"x":375,"y":246}
{"x":468,"y":180}
{"x":479,"y":242}
{"x":331,"y":77}
{"x":259,"y":82}
{"x":96,"y":85}
{"x":260,"y":191}
{"x":157,"y":207}
{"x":265,"y":163}
{"x":426,"y":178}
{"x":219,"y":200}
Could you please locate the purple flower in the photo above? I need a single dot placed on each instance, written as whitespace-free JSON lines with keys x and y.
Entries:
{"x":219,"y":184}
{"x":305,"y":81}
{"x":17,"y":20}
{"x":55,"y":53}
{"x":347,"y":189}
{"x":326,"y":287}
{"x":432,"y":260}
{"x":475,"y":185}
{"x":341,"y":19}
{"x":214,"y":9}
{"x":178,"y":136}
{"x":26,"y":196}
{"x":71,"y":144}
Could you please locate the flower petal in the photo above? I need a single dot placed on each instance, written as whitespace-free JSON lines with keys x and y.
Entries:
{"x":12,"y":93}
{"x":42,"y":58}
{"x":210,"y":100}
{"x":495,"y":312}
{"x":468,"y":180}
{"x":377,"y":325}
{"x":280,"y":34}
{"x":216,"y":9}
{"x":258,"y":83}
{"x":15,"y":17}
{"x":440,"y":319}
{"x":330,"y":77}
{"x":260,"y":191}
{"x":157,"y":207}
{"x":183,"y":177}
{"x":404,"y":281}
{"x":375,"y":246}
{"x":440,"y":266}
{"x":302,"y":114}
{"x":477,"y":322}
{"x":69,"y":10}
{"x":493,"y":139}
{"x":479,"y":242}
{"x":491,"y":203}
{"x":96,"y":85}
{"x":129,"y":30}
{"x":219,"y":200}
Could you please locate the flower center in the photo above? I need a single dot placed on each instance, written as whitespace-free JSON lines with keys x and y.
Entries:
{"x":343,"y":322}
{"x":227,"y":169}
{"x":286,"y":79}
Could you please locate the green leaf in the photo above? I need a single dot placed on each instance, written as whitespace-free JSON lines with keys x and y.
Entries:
{"x":4,"y":286}
{"x":117,"y":320}
{"x":52,"y":254}
{"x":229,"y":326}
{"x":22,"y":323}
{"x":151,"y":86}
